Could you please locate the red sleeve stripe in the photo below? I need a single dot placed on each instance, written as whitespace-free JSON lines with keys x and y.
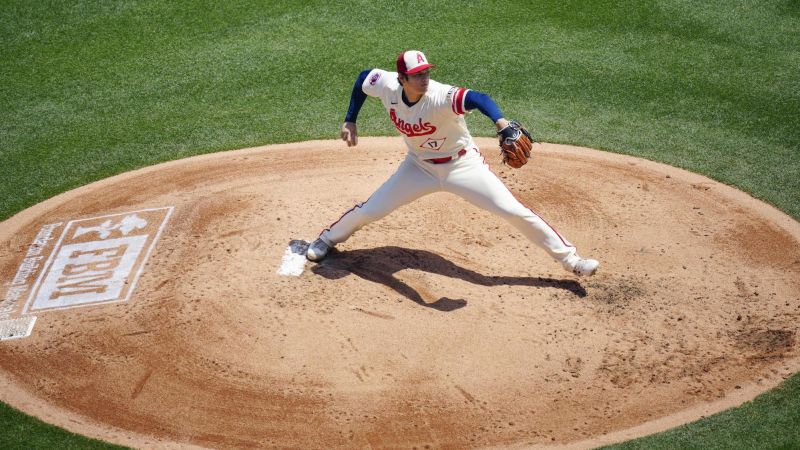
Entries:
{"x":458,"y":101}
{"x":462,"y":98}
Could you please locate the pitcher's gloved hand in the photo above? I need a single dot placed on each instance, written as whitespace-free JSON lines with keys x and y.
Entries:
{"x":515,"y":144}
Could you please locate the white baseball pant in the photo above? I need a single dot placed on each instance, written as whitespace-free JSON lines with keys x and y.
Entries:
{"x":470,"y":178}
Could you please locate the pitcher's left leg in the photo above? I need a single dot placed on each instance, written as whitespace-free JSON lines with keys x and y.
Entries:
{"x":480,"y":186}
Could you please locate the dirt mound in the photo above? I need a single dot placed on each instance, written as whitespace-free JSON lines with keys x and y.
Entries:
{"x":435,"y":326}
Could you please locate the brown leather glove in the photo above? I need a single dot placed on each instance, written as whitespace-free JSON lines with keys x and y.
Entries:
{"x":515,"y":144}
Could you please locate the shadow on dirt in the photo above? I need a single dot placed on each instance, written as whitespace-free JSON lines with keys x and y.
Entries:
{"x":380,"y":265}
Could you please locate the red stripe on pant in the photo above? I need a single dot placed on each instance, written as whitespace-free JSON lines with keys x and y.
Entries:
{"x":358,"y":205}
{"x":563,"y":241}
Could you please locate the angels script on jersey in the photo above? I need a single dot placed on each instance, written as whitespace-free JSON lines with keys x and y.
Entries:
{"x":411,"y":130}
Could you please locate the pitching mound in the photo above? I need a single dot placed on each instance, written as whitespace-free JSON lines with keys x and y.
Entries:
{"x":172,"y":306}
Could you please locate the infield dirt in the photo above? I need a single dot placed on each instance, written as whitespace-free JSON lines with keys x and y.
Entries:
{"x":438,"y":326}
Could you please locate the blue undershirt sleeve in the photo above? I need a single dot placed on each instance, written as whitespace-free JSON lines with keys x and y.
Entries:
{"x":357,"y":97}
{"x":484,"y":103}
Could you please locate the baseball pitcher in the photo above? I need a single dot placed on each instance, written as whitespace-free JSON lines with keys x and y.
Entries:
{"x":442,"y":156}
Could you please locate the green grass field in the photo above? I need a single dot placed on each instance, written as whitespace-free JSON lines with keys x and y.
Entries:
{"x":95,"y":88}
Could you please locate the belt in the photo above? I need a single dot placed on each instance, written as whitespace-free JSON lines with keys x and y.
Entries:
{"x":446,"y":159}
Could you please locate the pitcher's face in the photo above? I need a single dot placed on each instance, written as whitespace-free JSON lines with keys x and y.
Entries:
{"x":416,"y":84}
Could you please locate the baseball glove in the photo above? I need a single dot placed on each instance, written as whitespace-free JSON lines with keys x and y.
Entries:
{"x":515,"y":144}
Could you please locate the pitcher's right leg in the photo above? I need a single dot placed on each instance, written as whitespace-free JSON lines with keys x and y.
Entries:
{"x":409,"y":183}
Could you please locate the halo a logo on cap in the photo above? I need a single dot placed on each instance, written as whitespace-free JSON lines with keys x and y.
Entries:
{"x":412,"y":61}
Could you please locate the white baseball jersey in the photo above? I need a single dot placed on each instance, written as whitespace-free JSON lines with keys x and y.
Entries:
{"x":434,"y":127}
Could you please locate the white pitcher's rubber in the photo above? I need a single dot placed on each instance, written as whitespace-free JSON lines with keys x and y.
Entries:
{"x":294,"y":259}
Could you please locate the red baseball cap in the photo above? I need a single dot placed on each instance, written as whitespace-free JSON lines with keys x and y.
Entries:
{"x":412,"y":61}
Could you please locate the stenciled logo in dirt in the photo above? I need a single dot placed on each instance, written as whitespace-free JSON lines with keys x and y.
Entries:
{"x":17,"y":289}
{"x":96,"y":260}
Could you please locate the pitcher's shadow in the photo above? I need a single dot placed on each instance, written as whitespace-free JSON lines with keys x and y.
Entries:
{"x":380,"y":265}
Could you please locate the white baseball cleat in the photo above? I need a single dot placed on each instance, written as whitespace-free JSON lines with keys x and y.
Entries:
{"x":318,"y":250}
{"x":583,"y":267}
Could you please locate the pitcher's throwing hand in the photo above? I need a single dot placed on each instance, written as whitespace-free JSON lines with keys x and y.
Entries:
{"x":349,"y":133}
